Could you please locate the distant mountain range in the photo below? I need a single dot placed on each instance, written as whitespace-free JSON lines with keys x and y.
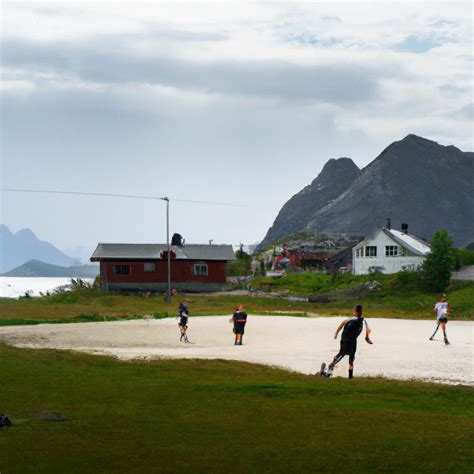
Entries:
{"x":35,"y":268}
{"x":414,"y":181}
{"x":23,"y":246}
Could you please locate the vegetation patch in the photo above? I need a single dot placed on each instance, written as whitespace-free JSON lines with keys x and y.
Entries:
{"x":135,"y":416}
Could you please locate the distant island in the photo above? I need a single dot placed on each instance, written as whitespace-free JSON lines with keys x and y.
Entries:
{"x":36,"y":268}
{"x":23,"y":246}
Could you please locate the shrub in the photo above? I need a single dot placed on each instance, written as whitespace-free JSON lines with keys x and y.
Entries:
{"x":438,"y":264}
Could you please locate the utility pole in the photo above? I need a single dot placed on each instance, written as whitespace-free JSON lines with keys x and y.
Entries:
{"x":168,"y":248}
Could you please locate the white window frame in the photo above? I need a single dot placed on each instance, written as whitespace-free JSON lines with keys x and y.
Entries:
{"x":391,"y":250}
{"x":149,"y":267}
{"x":198,"y":273}
{"x":366,"y":252}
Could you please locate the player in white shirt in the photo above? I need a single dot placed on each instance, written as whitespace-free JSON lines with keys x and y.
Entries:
{"x":442,"y":309}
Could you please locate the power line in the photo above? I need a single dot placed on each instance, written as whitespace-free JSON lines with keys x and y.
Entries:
{"x":128,"y":196}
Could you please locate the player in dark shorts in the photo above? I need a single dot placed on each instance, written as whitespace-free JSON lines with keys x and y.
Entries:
{"x":240,"y":320}
{"x":351,"y":329}
{"x":183,"y":312}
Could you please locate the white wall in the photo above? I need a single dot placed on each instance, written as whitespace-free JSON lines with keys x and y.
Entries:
{"x":361,"y":265}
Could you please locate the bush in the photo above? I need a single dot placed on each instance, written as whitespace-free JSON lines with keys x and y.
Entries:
{"x":241,"y":266}
{"x":438,"y":264}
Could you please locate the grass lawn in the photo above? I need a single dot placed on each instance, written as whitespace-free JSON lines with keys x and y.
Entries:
{"x":92,"y":303}
{"x":393,"y":300}
{"x":220,"y":416}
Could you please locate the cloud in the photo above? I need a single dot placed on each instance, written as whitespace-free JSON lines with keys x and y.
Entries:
{"x":336,"y":83}
{"x":214,"y":102}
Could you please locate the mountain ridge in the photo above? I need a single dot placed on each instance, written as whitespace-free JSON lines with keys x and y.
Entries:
{"x":22,"y":246}
{"x":335,"y":175}
{"x":37,"y":268}
{"x":412,"y":180}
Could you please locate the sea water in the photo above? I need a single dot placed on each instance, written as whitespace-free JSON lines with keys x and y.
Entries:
{"x":14,"y":287}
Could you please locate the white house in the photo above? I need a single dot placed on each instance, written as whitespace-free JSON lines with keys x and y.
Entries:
{"x":389,"y":251}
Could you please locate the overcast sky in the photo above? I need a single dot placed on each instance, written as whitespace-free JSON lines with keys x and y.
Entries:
{"x":240,"y":103}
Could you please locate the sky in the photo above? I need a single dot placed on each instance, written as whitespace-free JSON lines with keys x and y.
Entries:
{"x":238,"y":103}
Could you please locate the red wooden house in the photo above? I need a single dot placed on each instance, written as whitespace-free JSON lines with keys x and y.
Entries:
{"x":143,"y":267}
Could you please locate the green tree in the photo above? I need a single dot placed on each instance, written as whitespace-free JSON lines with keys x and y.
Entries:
{"x":242,"y":266}
{"x":439,"y":262}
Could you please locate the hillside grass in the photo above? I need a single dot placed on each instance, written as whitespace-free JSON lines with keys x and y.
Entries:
{"x":399,"y":295}
{"x":466,"y":257}
{"x":173,"y":416}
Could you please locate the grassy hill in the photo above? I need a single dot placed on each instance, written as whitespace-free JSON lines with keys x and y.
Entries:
{"x":220,"y":416}
{"x":397,"y":296}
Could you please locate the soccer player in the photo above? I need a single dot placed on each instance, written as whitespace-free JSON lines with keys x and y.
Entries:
{"x":442,"y":309}
{"x":183,"y":312}
{"x":351,"y":329}
{"x":239,"y":319}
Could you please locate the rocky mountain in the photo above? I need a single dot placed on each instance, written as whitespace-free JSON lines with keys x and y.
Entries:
{"x":18,"y":248}
{"x":35,"y":268}
{"x":336,"y":176}
{"x":415,"y":181}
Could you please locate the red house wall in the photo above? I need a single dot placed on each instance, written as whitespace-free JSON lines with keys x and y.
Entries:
{"x":182,"y":271}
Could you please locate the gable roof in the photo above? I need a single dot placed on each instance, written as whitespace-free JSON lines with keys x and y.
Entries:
{"x":415,"y":244}
{"x":412,"y":243}
{"x":106,"y":251}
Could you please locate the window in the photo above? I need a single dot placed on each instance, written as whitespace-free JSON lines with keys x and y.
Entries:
{"x":391,"y":250}
{"x":148,"y":267}
{"x":200,"y":269}
{"x":370,"y":251}
{"x":121,"y":270}
{"x":359,"y":253}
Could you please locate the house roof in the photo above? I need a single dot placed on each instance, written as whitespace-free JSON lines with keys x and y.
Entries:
{"x":415,"y":244}
{"x":412,"y":243}
{"x":106,"y":251}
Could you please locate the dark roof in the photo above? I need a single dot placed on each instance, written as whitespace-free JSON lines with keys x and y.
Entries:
{"x":153,"y":251}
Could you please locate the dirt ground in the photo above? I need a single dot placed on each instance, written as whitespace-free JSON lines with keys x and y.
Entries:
{"x":401,"y":348}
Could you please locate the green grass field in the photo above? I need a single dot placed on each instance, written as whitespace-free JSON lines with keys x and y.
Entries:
{"x":220,"y":416}
{"x":398,"y":297}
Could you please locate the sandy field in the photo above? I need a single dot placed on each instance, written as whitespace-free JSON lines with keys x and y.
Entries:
{"x":401,"y":348}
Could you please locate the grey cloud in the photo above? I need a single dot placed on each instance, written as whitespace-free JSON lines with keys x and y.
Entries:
{"x":331,"y":19}
{"x":327,"y":83}
{"x":464,"y":113}
{"x":179,"y":35}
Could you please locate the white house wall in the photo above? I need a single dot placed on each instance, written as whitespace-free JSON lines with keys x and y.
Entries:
{"x":362,"y":265}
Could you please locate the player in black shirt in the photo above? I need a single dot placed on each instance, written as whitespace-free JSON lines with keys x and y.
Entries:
{"x":351,"y":329}
{"x":239,"y":319}
{"x":183,"y":312}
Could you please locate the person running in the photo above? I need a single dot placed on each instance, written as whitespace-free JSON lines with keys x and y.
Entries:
{"x":239,"y":319}
{"x":183,"y":312}
{"x":442,"y":309}
{"x":351,"y":329}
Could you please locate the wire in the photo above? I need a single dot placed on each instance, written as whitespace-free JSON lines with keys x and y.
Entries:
{"x":128,"y":196}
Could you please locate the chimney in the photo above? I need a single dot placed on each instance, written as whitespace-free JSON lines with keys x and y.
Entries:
{"x":405,"y":228}
{"x":389,"y":223}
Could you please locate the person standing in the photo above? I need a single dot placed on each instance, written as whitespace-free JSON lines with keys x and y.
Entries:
{"x":240,"y":320}
{"x":183,"y":312}
{"x":442,"y":309}
{"x":351,"y":329}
